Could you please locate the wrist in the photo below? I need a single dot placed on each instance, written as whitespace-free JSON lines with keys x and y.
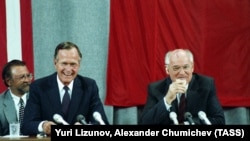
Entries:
{"x":167,"y":100}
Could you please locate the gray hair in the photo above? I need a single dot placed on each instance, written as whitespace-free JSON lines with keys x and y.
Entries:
{"x":188,"y":52}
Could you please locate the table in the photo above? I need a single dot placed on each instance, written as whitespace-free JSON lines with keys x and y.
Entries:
{"x":31,"y":138}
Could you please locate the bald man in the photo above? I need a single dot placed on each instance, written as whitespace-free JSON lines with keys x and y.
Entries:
{"x":199,"y":95}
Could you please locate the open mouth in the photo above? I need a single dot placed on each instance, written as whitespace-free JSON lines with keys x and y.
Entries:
{"x":67,"y":73}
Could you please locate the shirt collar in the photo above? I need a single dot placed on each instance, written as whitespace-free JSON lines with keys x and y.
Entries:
{"x":61,"y":85}
{"x":17,"y":99}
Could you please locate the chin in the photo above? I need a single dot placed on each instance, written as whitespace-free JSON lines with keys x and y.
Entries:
{"x":67,"y":80}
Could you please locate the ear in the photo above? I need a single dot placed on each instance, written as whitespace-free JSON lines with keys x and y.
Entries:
{"x":55,"y":62}
{"x":8,"y":82}
{"x":166,"y":69}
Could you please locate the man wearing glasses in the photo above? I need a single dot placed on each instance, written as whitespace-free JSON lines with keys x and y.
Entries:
{"x":17,"y":79}
{"x":184,"y":97}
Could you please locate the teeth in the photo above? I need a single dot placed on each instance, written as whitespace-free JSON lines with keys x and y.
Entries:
{"x":67,"y":73}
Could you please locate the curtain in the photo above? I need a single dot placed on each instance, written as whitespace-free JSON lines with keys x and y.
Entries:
{"x":16,"y":33}
{"x":142,"y":31}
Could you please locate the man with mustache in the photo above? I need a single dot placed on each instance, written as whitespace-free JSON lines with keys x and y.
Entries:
{"x":17,"y":79}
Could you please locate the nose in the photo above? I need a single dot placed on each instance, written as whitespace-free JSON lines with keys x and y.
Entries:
{"x":27,"y":77}
{"x":182,"y":70}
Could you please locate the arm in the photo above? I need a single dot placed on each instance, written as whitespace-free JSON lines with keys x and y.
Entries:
{"x":37,"y":110}
{"x":202,"y":97}
{"x":215,"y":111}
{"x":155,"y":111}
{"x":96,"y":104}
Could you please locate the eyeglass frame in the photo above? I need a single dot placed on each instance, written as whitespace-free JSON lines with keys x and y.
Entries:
{"x":24,"y":76}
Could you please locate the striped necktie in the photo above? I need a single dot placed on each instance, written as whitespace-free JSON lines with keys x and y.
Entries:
{"x":21,"y":112}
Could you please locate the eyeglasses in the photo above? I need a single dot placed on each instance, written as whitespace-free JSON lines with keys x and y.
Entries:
{"x":178,"y":68}
{"x":24,"y":76}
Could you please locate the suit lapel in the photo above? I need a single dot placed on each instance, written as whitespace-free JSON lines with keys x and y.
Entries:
{"x":9,"y":109}
{"x":53,"y":95}
{"x":76,"y":98}
{"x":192,"y":95}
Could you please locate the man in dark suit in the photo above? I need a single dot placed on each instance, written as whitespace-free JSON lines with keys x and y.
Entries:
{"x":199,"y":94}
{"x":17,"y":79}
{"x":46,"y":94}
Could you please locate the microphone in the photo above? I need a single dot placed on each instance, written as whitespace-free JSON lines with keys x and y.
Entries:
{"x":97,"y":116}
{"x":188,"y":116}
{"x":59,"y":119}
{"x":173,"y":117}
{"x":81,"y":119}
{"x":203,"y":117}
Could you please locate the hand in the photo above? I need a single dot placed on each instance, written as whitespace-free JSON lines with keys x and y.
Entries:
{"x":178,"y":86}
{"x":47,"y":127}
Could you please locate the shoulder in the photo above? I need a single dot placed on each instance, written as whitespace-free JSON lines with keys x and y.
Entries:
{"x":84,"y":81}
{"x":160,"y":84}
{"x":1,"y":96}
{"x":161,"y":81}
{"x":203,"y":77}
{"x":46,"y":78}
{"x":84,"y":78}
{"x":45,"y":81}
{"x":4,"y":94}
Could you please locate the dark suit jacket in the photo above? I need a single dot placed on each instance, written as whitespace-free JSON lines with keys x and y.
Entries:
{"x":44,"y":102}
{"x":201,"y":96}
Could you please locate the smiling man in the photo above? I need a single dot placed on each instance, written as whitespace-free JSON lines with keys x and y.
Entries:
{"x":182,"y":92}
{"x":17,"y":79}
{"x":64,"y":93}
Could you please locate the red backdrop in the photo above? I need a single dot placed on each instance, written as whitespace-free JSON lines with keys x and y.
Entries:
{"x":142,"y":31}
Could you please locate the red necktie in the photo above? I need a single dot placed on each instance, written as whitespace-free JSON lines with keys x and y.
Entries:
{"x":182,"y":106}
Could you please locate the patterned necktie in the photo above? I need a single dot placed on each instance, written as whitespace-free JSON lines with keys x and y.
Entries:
{"x":66,"y":100}
{"x":21,"y":112}
{"x":182,"y":107}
